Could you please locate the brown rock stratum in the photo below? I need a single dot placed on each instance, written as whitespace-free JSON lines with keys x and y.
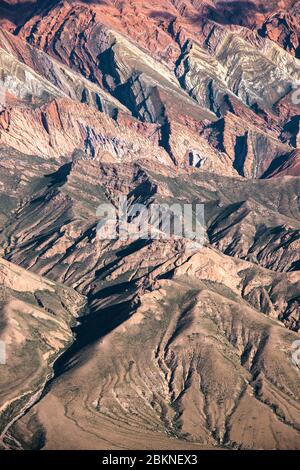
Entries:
{"x":158,"y":343}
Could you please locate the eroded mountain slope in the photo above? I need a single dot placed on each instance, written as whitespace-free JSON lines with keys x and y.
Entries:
{"x":192,"y":359}
{"x":162,"y":102}
{"x":132,"y":289}
{"x":36,"y":320}
{"x":213,"y":69}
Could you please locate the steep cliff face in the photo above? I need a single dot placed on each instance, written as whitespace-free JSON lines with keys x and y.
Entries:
{"x":162,"y":102}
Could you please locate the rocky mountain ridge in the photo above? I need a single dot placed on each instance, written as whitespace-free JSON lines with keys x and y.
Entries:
{"x":156,"y":342}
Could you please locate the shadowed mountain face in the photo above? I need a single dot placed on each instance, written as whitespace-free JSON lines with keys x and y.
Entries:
{"x":158,"y":342}
{"x":14,"y":13}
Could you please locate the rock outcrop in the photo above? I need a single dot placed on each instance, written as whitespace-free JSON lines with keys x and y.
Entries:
{"x":149,"y":341}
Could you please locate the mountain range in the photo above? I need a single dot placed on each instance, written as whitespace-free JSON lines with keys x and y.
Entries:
{"x":151,"y":343}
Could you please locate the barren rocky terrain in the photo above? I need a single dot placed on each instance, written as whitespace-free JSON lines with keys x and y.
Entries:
{"x":149,"y":343}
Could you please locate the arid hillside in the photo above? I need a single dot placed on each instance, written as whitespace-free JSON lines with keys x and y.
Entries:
{"x":155,"y":342}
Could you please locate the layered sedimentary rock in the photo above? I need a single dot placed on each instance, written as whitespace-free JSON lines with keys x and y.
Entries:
{"x":149,"y":342}
{"x":217,"y":70}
